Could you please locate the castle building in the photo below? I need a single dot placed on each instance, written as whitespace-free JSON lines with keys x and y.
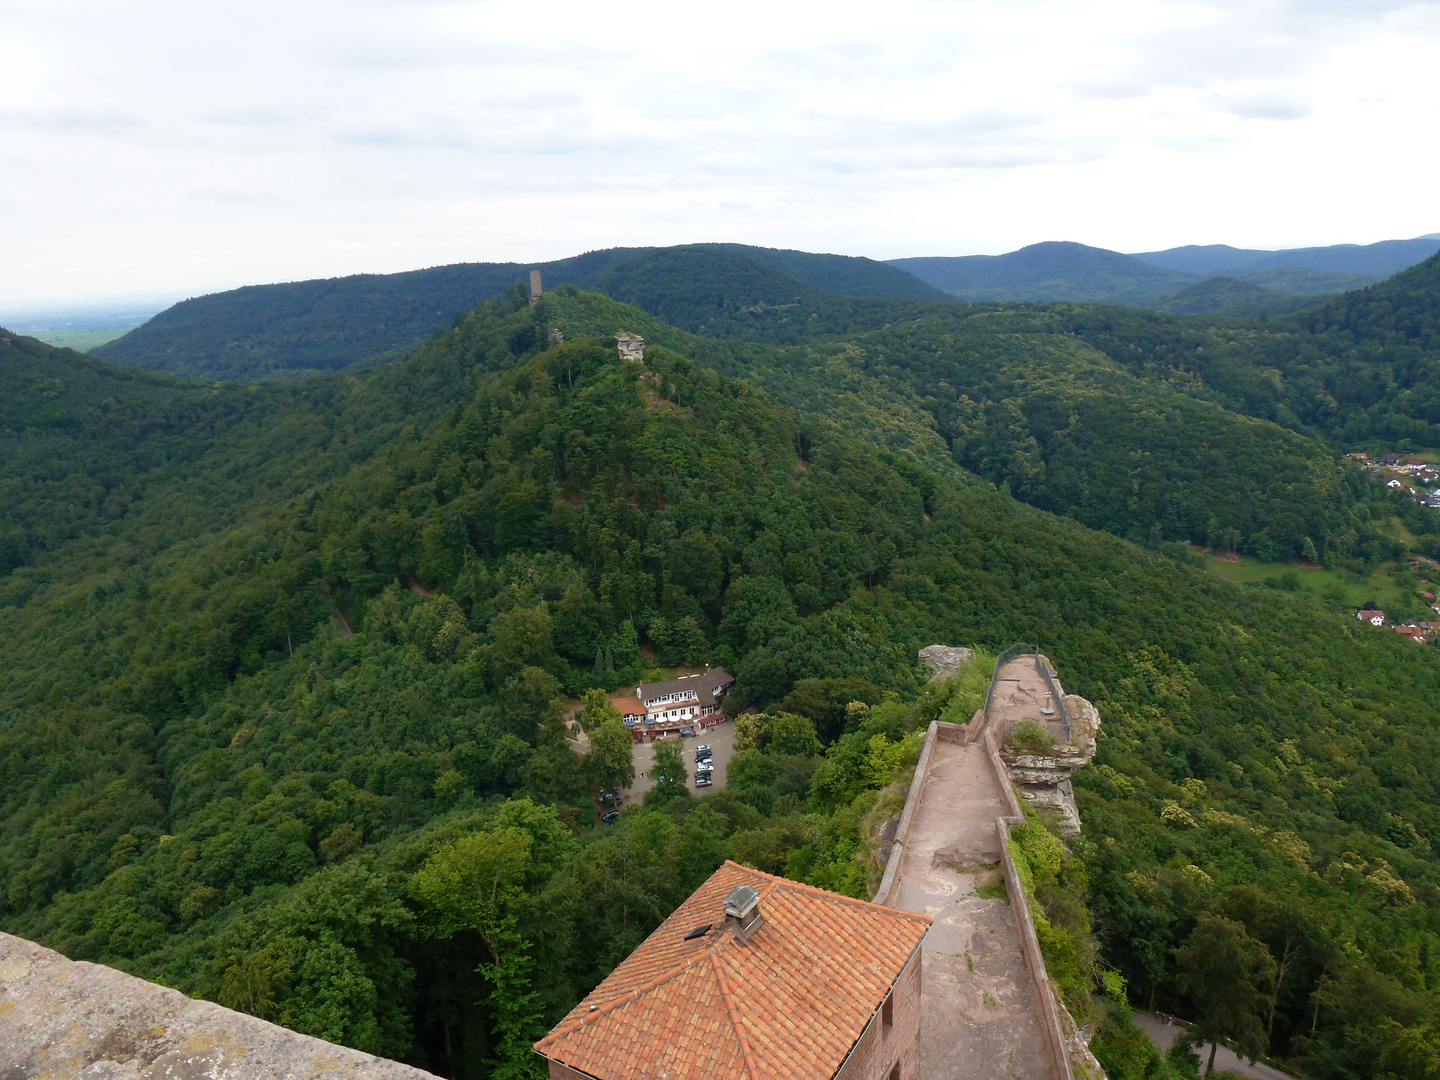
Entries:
{"x":755,"y":977}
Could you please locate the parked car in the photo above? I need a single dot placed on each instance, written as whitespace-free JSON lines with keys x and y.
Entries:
{"x":705,"y":766}
{"x":704,"y":779}
{"x":610,"y":818}
{"x":702,"y":753}
{"x":609,"y":795}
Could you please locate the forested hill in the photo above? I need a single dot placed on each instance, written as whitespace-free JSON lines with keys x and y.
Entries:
{"x":1054,"y":270}
{"x":722,"y":292}
{"x":204,"y":780}
{"x":1402,"y":313}
{"x":1362,"y":370}
{"x":298,"y":328}
{"x":1066,"y":418}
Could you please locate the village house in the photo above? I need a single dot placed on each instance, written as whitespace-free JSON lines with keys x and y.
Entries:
{"x":681,"y":704}
{"x":1414,"y":633}
{"x":1374,"y":616}
{"x":755,"y":977}
{"x":631,"y":711}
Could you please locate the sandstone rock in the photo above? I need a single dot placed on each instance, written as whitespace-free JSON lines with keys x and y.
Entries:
{"x":1043,"y":780}
{"x":63,"y":1018}
{"x":943,"y":660}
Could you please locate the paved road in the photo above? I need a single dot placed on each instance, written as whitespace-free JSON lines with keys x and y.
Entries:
{"x":721,"y":741}
{"x":1226,"y":1059}
{"x":979,"y":1020}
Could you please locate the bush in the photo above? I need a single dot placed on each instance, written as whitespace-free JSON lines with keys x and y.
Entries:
{"x":1030,"y":737}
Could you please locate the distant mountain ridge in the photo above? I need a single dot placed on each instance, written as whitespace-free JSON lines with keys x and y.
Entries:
{"x":1082,"y":274}
{"x":298,"y":328}
{"x":730,"y":290}
{"x":1377,"y":260}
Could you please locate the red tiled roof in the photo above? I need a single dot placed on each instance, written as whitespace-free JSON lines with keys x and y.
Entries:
{"x":628,"y":706}
{"x":791,"y":1001}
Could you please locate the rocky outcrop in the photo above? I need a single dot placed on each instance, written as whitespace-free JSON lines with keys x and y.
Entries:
{"x":943,"y":660}
{"x":1043,"y":778}
{"x":62,"y":1018}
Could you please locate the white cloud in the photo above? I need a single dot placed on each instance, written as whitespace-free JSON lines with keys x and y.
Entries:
{"x":166,"y":146}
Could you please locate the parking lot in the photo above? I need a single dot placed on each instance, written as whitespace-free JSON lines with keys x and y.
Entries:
{"x":721,"y":741}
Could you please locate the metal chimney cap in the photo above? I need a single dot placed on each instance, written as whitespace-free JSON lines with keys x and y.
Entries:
{"x":742,"y":900}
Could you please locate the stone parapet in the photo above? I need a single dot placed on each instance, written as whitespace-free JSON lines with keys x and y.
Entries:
{"x":66,"y":1018}
{"x":1047,"y":1002}
{"x":890,"y":880}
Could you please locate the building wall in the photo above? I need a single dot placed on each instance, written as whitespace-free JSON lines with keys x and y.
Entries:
{"x":879,"y":1050}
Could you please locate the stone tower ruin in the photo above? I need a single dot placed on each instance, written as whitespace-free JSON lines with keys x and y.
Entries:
{"x":535,"y":289}
{"x":630,"y":346}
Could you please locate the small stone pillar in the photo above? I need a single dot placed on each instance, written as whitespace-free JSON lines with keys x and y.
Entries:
{"x":535,"y":289}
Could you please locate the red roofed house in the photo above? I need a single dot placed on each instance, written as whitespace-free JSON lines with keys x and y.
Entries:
{"x":1374,"y":616}
{"x":631,"y":711}
{"x":755,"y":977}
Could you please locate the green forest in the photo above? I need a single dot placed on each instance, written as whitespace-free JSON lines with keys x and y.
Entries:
{"x":283,"y":665}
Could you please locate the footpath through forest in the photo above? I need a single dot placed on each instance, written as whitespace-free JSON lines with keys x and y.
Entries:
{"x":981,"y":1019}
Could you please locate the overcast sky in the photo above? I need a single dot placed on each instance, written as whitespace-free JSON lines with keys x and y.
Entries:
{"x":172,"y":148}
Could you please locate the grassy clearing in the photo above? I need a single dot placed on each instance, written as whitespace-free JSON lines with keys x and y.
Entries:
{"x":660,"y":674}
{"x":81,"y":340}
{"x":1339,"y":590}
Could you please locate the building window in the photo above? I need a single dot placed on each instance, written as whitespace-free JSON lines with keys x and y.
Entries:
{"x":887,"y":1012}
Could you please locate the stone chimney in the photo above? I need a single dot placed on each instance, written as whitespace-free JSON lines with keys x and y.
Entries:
{"x":742,"y":912}
{"x":535,"y":289}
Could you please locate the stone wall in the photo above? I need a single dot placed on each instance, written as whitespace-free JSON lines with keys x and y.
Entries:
{"x":881,"y":1047}
{"x":63,"y":1018}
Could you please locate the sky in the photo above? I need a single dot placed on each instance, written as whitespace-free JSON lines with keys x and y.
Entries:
{"x":153,"y":149}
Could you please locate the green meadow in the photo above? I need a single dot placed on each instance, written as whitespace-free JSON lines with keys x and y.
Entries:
{"x":1391,"y":586}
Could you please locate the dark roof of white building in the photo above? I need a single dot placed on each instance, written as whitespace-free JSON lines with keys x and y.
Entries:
{"x":702,"y":686}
